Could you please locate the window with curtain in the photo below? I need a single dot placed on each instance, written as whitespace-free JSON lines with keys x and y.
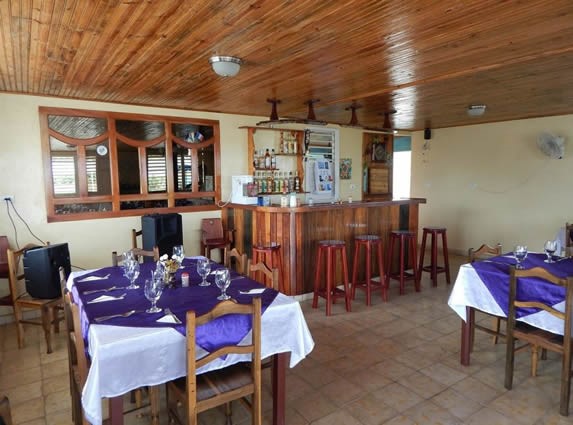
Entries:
{"x":105,"y":164}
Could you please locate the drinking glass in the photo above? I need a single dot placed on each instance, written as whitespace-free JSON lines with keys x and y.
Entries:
{"x":550,"y":247}
{"x":132,"y":273}
{"x":152,"y":290}
{"x":127,"y":258}
{"x":222,"y":280}
{"x":204,"y":268}
{"x":520,"y":253}
{"x":178,"y":253}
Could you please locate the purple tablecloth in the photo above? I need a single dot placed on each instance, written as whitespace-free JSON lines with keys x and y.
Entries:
{"x":496,"y":270}
{"x":230,"y":329}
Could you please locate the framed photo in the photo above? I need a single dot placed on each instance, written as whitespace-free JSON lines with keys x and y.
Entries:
{"x":346,"y":169}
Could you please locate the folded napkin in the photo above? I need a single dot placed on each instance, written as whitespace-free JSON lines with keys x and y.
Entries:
{"x":168,"y":318}
{"x":90,"y":278}
{"x":254,"y":291}
{"x":103,"y":298}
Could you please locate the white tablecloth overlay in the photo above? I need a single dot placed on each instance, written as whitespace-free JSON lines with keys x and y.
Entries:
{"x":125,"y":358}
{"x":469,"y":290}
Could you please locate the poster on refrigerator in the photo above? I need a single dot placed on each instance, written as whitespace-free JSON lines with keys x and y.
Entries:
{"x":323,"y":176}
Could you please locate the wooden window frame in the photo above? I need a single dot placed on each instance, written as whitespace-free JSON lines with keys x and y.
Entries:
{"x":115,"y":199}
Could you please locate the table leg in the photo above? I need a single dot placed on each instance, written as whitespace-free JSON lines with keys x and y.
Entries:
{"x":116,"y":410}
{"x":279,"y":388}
{"x":466,"y":337}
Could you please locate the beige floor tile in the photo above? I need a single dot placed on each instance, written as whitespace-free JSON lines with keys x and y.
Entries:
{"x":489,"y":416}
{"x":428,"y":413}
{"x":340,"y":417}
{"x":443,"y":374}
{"x":27,"y":411}
{"x":458,"y":405}
{"x":476,"y":390}
{"x":11,"y":380}
{"x":398,"y":397}
{"x":342,"y":391}
{"x":422,"y":385}
{"x":313,"y":406}
{"x":369,"y":410}
{"x":57,"y":401}
{"x":23,"y":393}
{"x":400,"y":420}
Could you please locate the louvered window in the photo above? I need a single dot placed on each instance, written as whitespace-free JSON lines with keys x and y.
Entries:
{"x":64,"y":175}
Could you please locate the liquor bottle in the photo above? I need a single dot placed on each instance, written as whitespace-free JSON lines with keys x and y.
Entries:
{"x":255,"y":159}
{"x":273,"y":159}
{"x":261,"y":160}
{"x":290,"y":182}
{"x":285,"y":183}
{"x":294,"y":145}
{"x":296,"y":182}
{"x":267,"y":159}
{"x":281,"y":145}
{"x":279,"y":180}
{"x":269,"y":182}
{"x":263,"y":185}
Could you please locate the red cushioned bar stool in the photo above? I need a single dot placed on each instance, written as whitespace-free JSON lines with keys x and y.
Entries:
{"x":406,"y":241}
{"x":270,"y":254}
{"x":373,"y":245}
{"x":331,"y":292}
{"x":434,"y":268}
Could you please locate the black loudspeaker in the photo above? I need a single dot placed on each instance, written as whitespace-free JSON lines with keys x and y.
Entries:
{"x":427,"y":133}
{"x":42,"y":270}
{"x":163,"y":230}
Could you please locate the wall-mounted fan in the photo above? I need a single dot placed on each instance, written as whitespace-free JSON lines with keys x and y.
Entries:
{"x":551,"y":145}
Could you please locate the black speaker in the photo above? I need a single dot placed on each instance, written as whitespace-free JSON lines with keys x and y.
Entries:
{"x":163,"y":230}
{"x":41,"y":270}
{"x":427,"y":133}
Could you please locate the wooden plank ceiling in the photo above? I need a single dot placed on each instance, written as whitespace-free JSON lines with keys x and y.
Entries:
{"x":426,"y":59}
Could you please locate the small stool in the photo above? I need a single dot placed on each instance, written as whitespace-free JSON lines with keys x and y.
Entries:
{"x":405,"y":239}
{"x":331,"y":292}
{"x":371,"y":243}
{"x":433,"y":268}
{"x":270,"y":254}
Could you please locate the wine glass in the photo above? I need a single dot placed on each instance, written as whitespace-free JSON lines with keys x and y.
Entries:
{"x":178,"y":253}
{"x":132,"y":273}
{"x":127,"y":258}
{"x":152,"y":290}
{"x":520,"y":253}
{"x":222,"y":280}
{"x":550,"y":247}
{"x":204,"y":268}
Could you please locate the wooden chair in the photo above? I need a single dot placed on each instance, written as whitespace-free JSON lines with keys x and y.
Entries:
{"x":5,"y":412}
{"x":23,"y":302}
{"x":538,"y":338}
{"x":197,"y":393}
{"x":235,"y":260}
{"x":117,"y":259}
{"x":134,"y":235}
{"x":270,"y":277}
{"x":569,"y":239}
{"x":483,"y":253}
{"x":6,"y":300}
{"x":213,"y":236}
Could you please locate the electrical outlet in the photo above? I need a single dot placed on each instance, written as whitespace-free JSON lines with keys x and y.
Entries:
{"x":7,"y":198}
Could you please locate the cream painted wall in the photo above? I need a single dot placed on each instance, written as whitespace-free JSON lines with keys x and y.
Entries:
{"x":92,"y":241}
{"x":490,"y":183}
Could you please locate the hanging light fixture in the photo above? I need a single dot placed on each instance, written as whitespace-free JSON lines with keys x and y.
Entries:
{"x":225,"y":66}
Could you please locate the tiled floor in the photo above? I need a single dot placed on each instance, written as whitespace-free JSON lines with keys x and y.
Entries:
{"x":392,"y":363}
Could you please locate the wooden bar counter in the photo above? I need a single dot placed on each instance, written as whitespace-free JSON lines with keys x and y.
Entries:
{"x":299,"y":229}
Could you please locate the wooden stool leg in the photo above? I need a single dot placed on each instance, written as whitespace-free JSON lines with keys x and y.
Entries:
{"x":329,"y":279}
{"x":414,"y":268}
{"x":368,"y":273}
{"x":389,"y":261}
{"x":355,"y":269}
{"x":317,"y":278}
{"x":401,"y":271}
{"x":282,"y":283}
{"x":47,"y":325}
{"x":345,"y":277}
{"x":422,"y":253}
{"x":434,"y":265}
{"x":446,"y":259}
{"x":381,"y":273}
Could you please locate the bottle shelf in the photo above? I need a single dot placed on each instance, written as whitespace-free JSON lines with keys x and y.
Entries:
{"x":288,"y":154}
{"x":266,"y":169}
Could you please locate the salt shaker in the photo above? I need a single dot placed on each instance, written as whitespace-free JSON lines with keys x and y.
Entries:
{"x":185,"y":279}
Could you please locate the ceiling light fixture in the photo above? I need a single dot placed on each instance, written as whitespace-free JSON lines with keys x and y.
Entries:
{"x":225,"y":66}
{"x":476,"y":110}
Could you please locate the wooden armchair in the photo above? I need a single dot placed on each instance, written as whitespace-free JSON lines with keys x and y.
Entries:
{"x":569,"y":239}
{"x":22,"y":301}
{"x":186,"y":397}
{"x":213,"y":236}
{"x":538,"y":338}
{"x":261,"y":273}
{"x":482,"y":253}
{"x":6,"y":300}
{"x":235,"y":260}
{"x":134,"y":235}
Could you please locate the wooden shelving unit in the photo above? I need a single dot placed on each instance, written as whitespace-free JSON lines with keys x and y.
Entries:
{"x":377,"y":150}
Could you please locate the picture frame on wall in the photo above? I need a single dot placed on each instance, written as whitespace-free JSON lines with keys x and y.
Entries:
{"x":345,"y":168}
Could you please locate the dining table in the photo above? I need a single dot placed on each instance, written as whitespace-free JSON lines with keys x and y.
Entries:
{"x":484,"y":286}
{"x":130,"y":348}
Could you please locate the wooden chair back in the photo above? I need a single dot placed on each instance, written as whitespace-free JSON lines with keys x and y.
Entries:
{"x":211,"y":228}
{"x":134,"y":235}
{"x":539,"y":338}
{"x":235,"y":260}
{"x":117,"y":259}
{"x":568,"y":239}
{"x":16,"y":279}
{"x":4,"y":245}
{"x":196,"y":400}
{"x":483,"y":252}
{"x":262,"y":273}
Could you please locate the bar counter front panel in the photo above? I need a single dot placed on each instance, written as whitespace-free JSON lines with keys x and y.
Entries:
{"x":298,"y":231}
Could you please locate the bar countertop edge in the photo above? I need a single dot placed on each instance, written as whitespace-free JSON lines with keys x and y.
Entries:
{"x":328,"y":206}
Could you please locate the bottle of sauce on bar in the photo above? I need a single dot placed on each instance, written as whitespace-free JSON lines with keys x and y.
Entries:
{"x":267,"y":159}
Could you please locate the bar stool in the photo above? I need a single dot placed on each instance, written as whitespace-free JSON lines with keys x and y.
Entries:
{"x":373,"y":245}
{"x":406,"y":240}
{"x":270,"y":254}
{"x":329,"y":248}
{"x":433,"y":268}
